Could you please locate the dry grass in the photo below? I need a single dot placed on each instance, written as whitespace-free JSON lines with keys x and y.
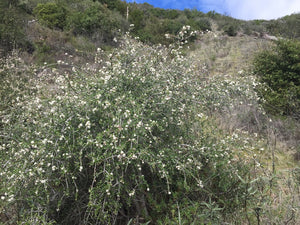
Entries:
{"x":279,"y":138}
{"x":227,"y":55}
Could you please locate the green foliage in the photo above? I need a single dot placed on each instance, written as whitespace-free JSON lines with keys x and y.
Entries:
{"x":12,"y":24}
{"x":228,"y":25}
{"x":279,"y":70}
{"x":255,"y":27}
{"x":51,"y":14}
{"x":136,"y":17}
{"x":121,"y":6}
{"x":192,"y":14}
{"x":100,"y":26}
{"x":43,"y":52}
{"x":171,"y":26}
{"x":202,"y":23}
{"x":213,"y":14}
{"x":158,"y":12}
{"x":172,"y":14}
{"x":9,"y":3}
{"x":287,"y":26}
{"x":13,"y":84}
{"x":118,"y":5}
{"x":230,"y":30}
{"x":111,"y":4}
{"x":152,"y":32}
{"x":290,"y":26}
{"x":97,"y":22}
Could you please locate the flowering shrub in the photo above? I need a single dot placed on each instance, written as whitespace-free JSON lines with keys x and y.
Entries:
{"x":123,"y":140}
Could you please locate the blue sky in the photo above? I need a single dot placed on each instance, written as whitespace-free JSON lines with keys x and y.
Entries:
{"x":241,"y":9}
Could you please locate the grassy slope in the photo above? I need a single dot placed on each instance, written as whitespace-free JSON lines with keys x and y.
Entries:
{"x":227,"y":55}
{"x":232,"y":56}
{"x":223,"y":55}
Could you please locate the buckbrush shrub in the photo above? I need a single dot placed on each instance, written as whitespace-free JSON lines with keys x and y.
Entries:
{"x":118,"y":141}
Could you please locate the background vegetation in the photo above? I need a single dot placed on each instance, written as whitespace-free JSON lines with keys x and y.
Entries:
{"x":100,"y":21}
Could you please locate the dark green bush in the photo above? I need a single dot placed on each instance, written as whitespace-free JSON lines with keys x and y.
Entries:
{"x":213,"y":14}
{"x":153,"y":32}
{"x":51,"y":14}
{"x":172,"y":26}
{"x":194,"y":13}
{"x":96,"y":22}
{"x":279,"y":71}
{"x":231,"y":30}
{"x":172,"y":14}
{"x":136,"y":17}
{"x":121,"y":7}
{"x":158,"y":12}
{"x":200,"y":24}
{"x":111,"y":4}
{"x":12,"y":23}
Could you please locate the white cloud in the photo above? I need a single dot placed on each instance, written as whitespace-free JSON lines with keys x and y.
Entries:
{"x":262,"y":9}
{"x":252,"y":9}
{"x":241,"y":9}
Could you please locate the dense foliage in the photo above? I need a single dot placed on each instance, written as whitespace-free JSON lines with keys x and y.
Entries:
{"x":279,"y":71}
{"x":287,"y":26}
{"x":51,"y":14}
{"x":12,"y":32}
{"x":98,"y":21}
